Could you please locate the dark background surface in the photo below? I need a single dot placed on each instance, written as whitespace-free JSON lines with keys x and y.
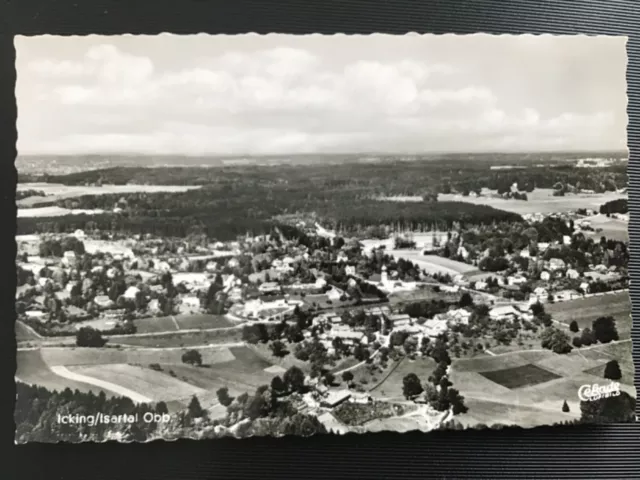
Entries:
{"x":563,"y":452}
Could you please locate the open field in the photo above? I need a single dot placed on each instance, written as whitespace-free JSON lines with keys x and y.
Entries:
{"x":32,"y":369}
{"x":155,"y":324}
{"x":433,"y":263}
{"x":23,"y":333}
{"x":489,"y":413}
{"x":54,"y":211}
{"x":262,"y":351}
{"x":182,"y":322}
{"x":179,"y":339}
{"x":56,"y":191}
{"x":141,"y":356}
{"x":541,"y":200}
{"x":243,"y":372}
{"x":127,"y":372}
{"x":523,"y":376}
{"x":585,"y":310}
{"x":612,"y":228}
{"x":391,"y":387}
{"x":145,"y":381}
{"x":622,"y":352}
{"x":481,"y":380}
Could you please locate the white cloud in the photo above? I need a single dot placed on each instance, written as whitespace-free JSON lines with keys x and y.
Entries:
{"x":281,"y":99}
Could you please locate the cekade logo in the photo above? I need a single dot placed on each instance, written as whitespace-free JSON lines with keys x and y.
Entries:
{"x":590,"y":393}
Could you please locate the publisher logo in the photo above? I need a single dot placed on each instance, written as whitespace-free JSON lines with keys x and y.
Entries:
{"x":590,"y":393}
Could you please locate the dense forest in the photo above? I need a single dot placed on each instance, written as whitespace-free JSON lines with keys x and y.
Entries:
{"x":347,"y":197}
{"x":391,"y":177}
{"x":224,"y":212}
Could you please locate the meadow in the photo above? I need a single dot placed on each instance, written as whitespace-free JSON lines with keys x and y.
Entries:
{"x":57,"y":191}
{"x":585,"y":310}
{"x":182,"y":339}
{"x":541,"y":200}
{"x":181,"y":322}
{"x":152,"y":384}
{"x":23,"y":333}
{"x":32,"y":369}
{"x":146,"y":374}
{"x":529,"y":388}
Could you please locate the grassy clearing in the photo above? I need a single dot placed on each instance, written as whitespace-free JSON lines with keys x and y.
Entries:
{"x":182,"y":322}
{"x":485,"y":364}
{"x":244,"y":373}
{"x":32,"y":369}
{"x":522,"y":376}
{"x":186,"y":340}
{"x":24,"y":334}
{"x":203,"y":320}
{"x":263,"y":351}
{"x":147,"y":382}
{"x":622,"y":352}
{"x":541,"y":200}
{"x":585,"y":310}
{"x":155,"y":324}
{"x":392,"y":385}
{"x":492,"y":412}
{"x":140,"y":356}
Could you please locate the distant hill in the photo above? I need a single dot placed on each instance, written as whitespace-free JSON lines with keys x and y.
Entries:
{"x":65,"y":164}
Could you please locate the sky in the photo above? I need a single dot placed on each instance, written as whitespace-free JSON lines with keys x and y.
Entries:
{"x":285,"y":94}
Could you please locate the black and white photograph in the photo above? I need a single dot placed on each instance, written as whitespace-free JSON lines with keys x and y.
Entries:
{"x":269,"y":235}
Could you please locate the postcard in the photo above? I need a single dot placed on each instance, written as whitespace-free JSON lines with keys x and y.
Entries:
{"x":268,"y":235}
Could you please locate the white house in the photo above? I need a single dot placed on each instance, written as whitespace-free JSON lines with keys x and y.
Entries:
{"x":566,"y":240}
{"x":573,"y":274}
{"x":556,"y":264}
{"x":458,"y":316}
{"x":162,"y":266}
{"x":516,"y":280}
{"x":154,"y":306}
{"x":79,"y":234}
{"x":503,"y":313}
{"x":35,"y":314}
{"x":399,"y":320}
{"x":542,"y":246}
{"x":69,"y":258}
{"x":481,"y":285}
{"x":334,"y":294}
{"x":584,"y":286}
{"x":450,"y":288}
{"x":350,"y":270}
{"x":335,"y":398}
{"x":190,"y":304}
{"x":131,"y":292}
{"x":102,"y":301}
{"x":545,"y":276}
{"x":434,"y":327}
{"x":342,"y":257}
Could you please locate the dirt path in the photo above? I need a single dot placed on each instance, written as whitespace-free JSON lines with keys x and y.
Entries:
{"x":125,"y":392}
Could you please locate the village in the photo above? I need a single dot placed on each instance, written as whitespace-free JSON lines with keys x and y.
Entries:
{"x":353,"y":295}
